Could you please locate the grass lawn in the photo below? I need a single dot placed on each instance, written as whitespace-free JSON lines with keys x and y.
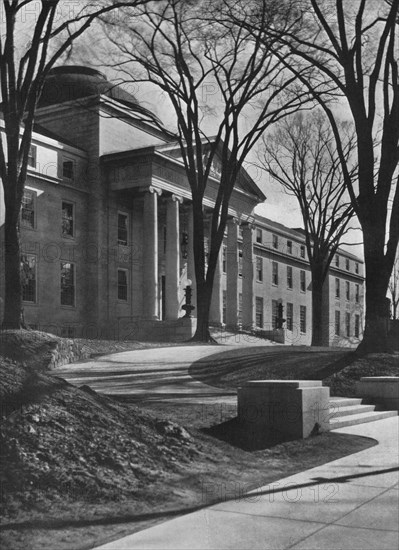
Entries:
{"x":338,"y":368}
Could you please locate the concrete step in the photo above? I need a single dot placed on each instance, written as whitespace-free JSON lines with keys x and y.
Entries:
{"x":353,"y":419}
{"x":337,"y":411}
{"x":345,"y":401}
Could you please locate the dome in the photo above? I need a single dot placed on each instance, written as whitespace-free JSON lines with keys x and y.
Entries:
{"x":67,"y":83}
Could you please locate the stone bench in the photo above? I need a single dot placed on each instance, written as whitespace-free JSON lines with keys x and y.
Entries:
{"x":291,"y":409}
{"x":382,"y":391}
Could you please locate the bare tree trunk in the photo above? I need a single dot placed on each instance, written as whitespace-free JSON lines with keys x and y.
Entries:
{"x":375,"y":337}
{"x":317,"y":311}
{"x":204,"y":295}
{"x":13,"y":289}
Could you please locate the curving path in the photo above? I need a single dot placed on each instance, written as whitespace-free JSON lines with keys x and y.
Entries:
{"x":177,"y":373}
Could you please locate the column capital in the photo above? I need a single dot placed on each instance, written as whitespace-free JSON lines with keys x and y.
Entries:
{"x":151,"y":189}
{"x":175,"y":198}
{"x":233,"y":221}
{"x":248,"y":225}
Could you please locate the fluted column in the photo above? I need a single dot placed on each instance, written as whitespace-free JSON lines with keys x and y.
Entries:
{"x":232,"y":273}
{"x":150,"y":254}
{"x":215,"y":313}
{"x":172,"y":260}
{"x":247,"y":278}
{"x":190,"y":260}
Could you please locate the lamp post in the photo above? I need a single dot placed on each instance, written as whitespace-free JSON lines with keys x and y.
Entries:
{"x":188,"y":307}
{"x":280,"y":314}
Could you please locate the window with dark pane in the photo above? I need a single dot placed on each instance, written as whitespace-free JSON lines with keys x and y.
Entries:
{"x":122,"y":229}
{"x":302,"y":319}
{"x":28,"y":209}
{"x":28,"y":277}
{"x":290,"y":316}
{"x":259,"y":312}
{"x":67,"y":284}
{"x":289,"y":277}
{"x":67,"y":219}
{"x":68,"y":169}
{"x":32,"y":155}
{"x":122,"y":285}
{"x":275,"y":273}
{"x":274,"y":313}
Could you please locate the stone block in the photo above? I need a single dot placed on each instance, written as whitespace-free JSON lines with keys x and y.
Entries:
{"x":382,"y":391}
{"x":291,"y":409}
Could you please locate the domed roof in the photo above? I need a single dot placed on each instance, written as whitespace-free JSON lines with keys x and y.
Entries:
{"x":70,"y":82}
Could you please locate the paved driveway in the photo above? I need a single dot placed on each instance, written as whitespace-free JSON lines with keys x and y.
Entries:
{"x":162,"y":374}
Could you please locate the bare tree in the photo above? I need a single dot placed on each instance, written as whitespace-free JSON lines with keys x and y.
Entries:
{"x":34,"y":36}
{"x":355,"y":46}
{"x":300,"y":154}
{"x":181,"y":47}
{"x":393,"y":288}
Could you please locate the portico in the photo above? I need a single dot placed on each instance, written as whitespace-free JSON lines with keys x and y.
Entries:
{"x":168,"y":233}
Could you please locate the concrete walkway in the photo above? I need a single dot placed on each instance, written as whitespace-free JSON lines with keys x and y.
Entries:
{"x":347,"y":504}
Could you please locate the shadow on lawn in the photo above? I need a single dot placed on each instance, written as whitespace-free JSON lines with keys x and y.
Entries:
{"x":232,"y":368}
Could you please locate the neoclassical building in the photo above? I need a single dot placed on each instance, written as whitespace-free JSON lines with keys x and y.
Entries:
{"x":106,"y":229}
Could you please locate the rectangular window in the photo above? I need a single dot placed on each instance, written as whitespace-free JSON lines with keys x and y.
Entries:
{"x":224,"y":307}
{"x":240,"y":232}
{"x":259,"y":312}
{"x":347,"y":264}
{"x":240,"y":263}
{"x":348,"y":324}
{"x":357,"y":326}
{"x":302,"y":250}
{"x":337,"y":323}
{"x":337,"y":288}
{"x":122,"y":285}
{"x":67,"y":284}
{"x":259,"y":269}
{"x":224,"y":258}
{"x":68,"y":169}
{"x":275,"y":241}
{"x":28,"y":208}
{"x":290,"y":316}
{"x":123,"y":229}
{"x":347,"y":290}
{"x":239,"y":313}
{"x":274,"y":314}
{"x":289,"y":247}
{"x":275,"y":273}
{"x":289,"y":276}
{"x":67,"y":228}
{"x":302,"y":280}
{"x":28,"y":278}
{"x":302,"y":319}
{"x":336,"y":260}
{"x":356,"y":268}
{"x":357,"y":293}
{"x":32,"y":156}
{"x":259,"y":236}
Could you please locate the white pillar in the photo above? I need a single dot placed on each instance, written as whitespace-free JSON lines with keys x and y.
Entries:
{"x":190,"y":259}
{"x":172,"y":260}
{"x":232,"y":273}
{"x":150,"y":254}
{"x":215,"y":314}
{"x":247,"y":278}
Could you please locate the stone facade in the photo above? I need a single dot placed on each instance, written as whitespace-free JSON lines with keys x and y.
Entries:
{"x":107,"y":232}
